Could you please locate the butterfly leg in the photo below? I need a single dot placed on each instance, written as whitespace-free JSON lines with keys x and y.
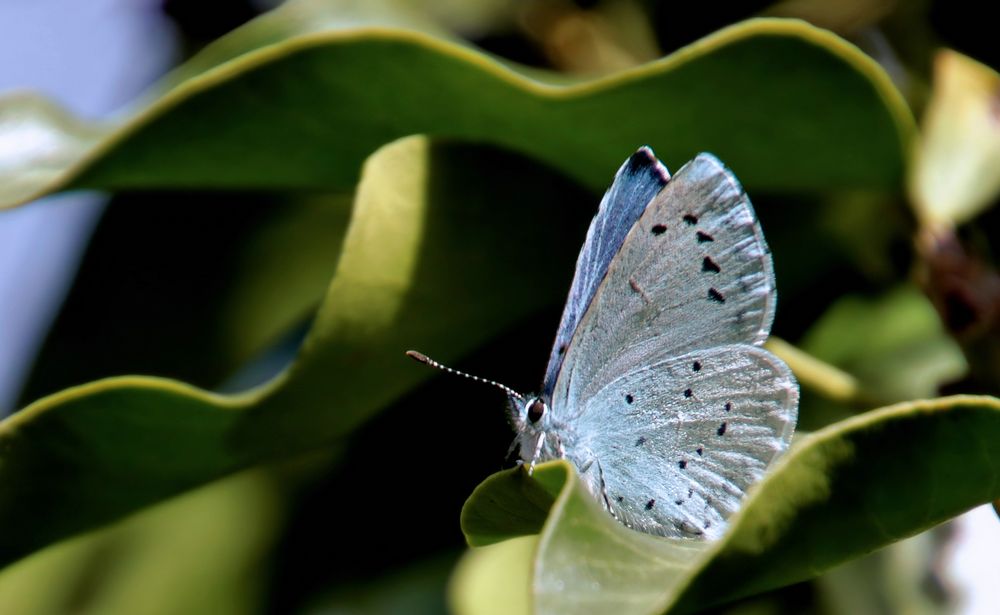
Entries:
{"x":510,"y":450}
{"x":604,"y":489}
{"x":538,"y":451}
{"x":584,"y":467}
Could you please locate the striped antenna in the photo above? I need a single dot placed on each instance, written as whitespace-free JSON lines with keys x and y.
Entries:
{"x":421,"y":357}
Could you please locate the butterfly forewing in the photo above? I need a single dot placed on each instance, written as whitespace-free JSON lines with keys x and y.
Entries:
{"x":638,"y":180}
{"x":693,"y":272}
{"x":678,"y":441}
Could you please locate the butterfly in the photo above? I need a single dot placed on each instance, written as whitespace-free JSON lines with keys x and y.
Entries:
{"x":658,"y":389}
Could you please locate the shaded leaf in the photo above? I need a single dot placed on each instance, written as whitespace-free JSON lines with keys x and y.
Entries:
{"x":511,"y":504}
{"x":425,"y":225}
{"x":199,"y":553}
{"x":193,"y":300}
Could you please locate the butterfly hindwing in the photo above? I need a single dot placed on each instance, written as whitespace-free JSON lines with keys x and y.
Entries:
{"x":638,"y":180}
{"x":678,"y":441}
{"x":693,"y":272}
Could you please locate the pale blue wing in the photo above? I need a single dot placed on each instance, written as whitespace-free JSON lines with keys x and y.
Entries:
{"x":638,"y":180}
{"x":678,"y":441}
{"x":693,"y":272}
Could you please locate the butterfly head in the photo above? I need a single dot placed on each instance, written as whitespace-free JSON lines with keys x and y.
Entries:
{"x":538,"y":437}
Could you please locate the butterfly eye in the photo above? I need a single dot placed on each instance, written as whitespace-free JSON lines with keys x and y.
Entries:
{"x":536,"y":408}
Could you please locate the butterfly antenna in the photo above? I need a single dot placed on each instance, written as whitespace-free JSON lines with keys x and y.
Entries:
{"x":421,"y":357}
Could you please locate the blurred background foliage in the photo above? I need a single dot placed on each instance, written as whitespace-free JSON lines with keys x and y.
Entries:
{"x":271,"y":240}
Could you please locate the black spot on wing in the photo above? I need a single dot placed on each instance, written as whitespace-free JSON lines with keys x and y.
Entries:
{"x":709,"y":266}
{"x":640,"y":441}
{"x":700,"y":451}
{"x":716,"y":296}
{"x":650,"y":504}
{"x":704,"y":237}
{"x":688,"y":392}
{"x":658,"y":229}
{"x":696,"y":366}
{"x":629,"y":399}
{"x":690,"y":219}
{"x":721,"y":430}
{"x":728,"y":406}
{"x":682,"y":464}
{"x":620,"y":498}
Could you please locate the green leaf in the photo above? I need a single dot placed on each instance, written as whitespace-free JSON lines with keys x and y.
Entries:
{"x":279,"y":104}
{"x":426,"y":223}
{"x":510,"y":504}
{"x":894,"y":344}
{"x":199,"y":553}
{"x":584,"y":561}
{"x":839,"y":493}
{"x":494,"y":580}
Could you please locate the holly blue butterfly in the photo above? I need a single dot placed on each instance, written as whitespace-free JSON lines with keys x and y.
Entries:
{"x":658,"y":389}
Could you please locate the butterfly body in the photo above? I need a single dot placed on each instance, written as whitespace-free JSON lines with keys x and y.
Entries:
{"x":658,"y":389}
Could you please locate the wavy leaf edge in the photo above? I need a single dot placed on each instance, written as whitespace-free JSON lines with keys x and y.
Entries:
{"x":761,"y":26}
